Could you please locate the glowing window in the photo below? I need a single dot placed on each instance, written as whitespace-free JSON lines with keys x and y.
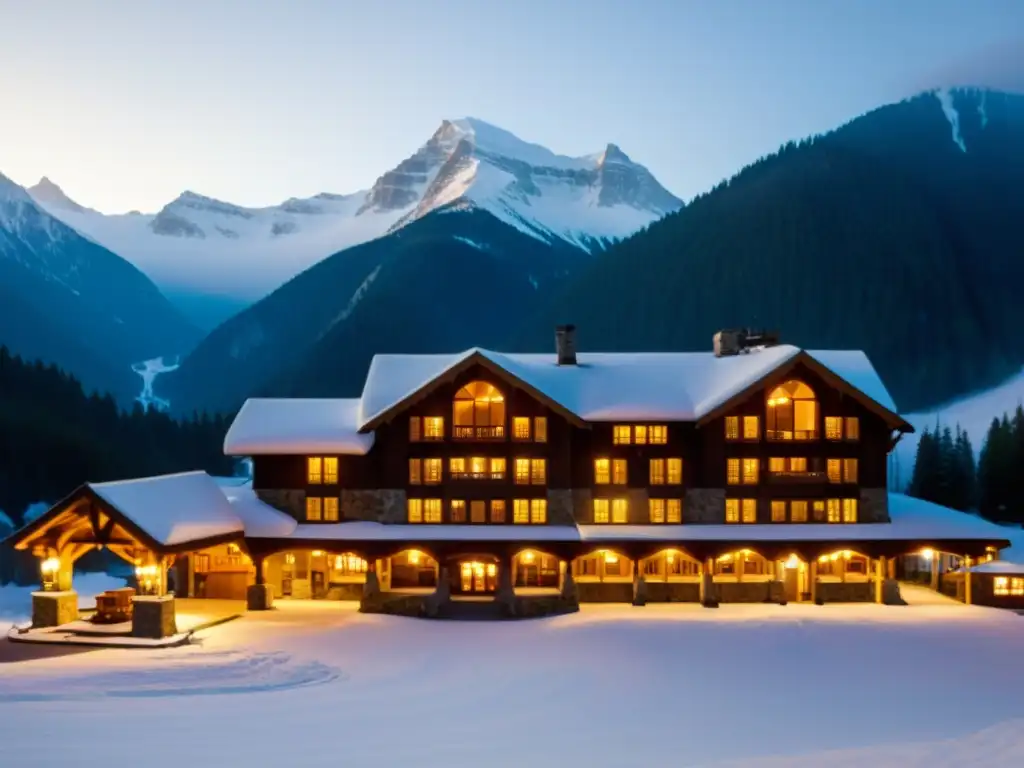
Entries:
{"x":675,"y":471}
{"x":314,"y":470}
{"x":540,"y":429}
{"x":314,"y":508}
{"x":620,"y":511}
{"x":458,"y":511}
{"x":656,"y":507}
{"x":640,"y":434}
{"x":849,"y":470}
{"x":538,"y":471}
{"x":657,"y":434}
{"x":732,"y":510}
{"x":674,"y":511}
{"x":521,"y":428}
{"x":751,"y":471}
{"x":798,"y":511}
{"x":732,"y":427}
{"x":778,"y":511}
{"x":432,"y":510}
{"x":792,"y":412}
{"x":433,"y":428}
{"x":657,"y":474}
{"x":602,"y":471}
{"x":849,"y":510}
{"x":834,"y":510}
{"x":416,"y":471}
{"x":819,"y":510}
{"x":835,"y":471}
{"x":751,"y":428}
{"x":498,"y":468}
{"x":1001,"y":586}
{"x":776,"y":464}
{"x":520,"y":511}
{"x":749,"y":510}
{"x":331,"y":509}
{"x":522,"y":472}
{"x":478,"y":511}
{"x":833,"y":428}
{"x":732,"y":471}
{"x":415,"y":510}
{"x":498,"y":511}
{"x":619,"y":471}
{"x":431,"y":471}
{"x":331,"y":470}
{"x":621,"y":434}
{"x":538,"y":511}
{"x":798,"y":464}
{"x":601,"y":511}
{"x":479,"y":404}
{"x":852,"y":428}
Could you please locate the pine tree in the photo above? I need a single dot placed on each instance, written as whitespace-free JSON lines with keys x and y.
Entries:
{"x":926,"y":464}
{"x":966,"y":471}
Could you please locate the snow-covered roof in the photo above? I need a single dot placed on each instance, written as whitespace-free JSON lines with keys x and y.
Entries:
{"x":359,"y":531}
{"x":259,"y":518}
{"x":674,"y":386}
{"x":173,"y":509}
{"x":297,"y":425}
{"x":1000,"y":568}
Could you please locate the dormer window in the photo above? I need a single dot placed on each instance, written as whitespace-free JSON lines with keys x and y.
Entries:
{"x":792,"y":412}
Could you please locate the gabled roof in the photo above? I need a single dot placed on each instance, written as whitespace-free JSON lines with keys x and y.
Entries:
{"x":642,"y":386}
{"x":297,"y":426}
{"x":165,"y":513}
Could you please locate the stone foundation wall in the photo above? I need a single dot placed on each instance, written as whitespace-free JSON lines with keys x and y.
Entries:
{"x":583,"y":505}
{"x":704,"y":505}
{"x":669,"y":592}
{"x":874,"y":506}
{"x":377,"y":506}
{"x":290,"y":502}
{"x":51,"y":609}
{"x":848,"y":592}
{"x":745,"y":591}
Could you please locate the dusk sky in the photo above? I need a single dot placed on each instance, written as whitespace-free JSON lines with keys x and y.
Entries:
{"x":126,"y":105}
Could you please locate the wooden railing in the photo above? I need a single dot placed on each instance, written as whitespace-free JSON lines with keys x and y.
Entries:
{"x":478,"y":433}
{"x":478,"y":475}
{"x":797,"y":477}
{"x":789,"y":434}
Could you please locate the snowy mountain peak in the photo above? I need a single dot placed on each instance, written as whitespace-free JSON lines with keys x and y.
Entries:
{"x":46,"y":192}
{"x":612,"y":154}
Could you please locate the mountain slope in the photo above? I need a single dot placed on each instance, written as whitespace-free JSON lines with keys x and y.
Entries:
{"x":446,"y":281}
{"x":67,"y":300}
{"x":899,"y":233}
{"x":211,"y":257}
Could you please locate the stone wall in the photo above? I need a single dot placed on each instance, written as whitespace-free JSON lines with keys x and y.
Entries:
{"x":745,"y":591}
{"x":605,"y":592}
{"x":845,"y":592}
{"x":669,"y":592}
{"x":874,"y":506}
{"x":560,"y":507}
{"x":704,"y":505}
{"x":290,"y":502}
{"x":583,"y":505}
{"x":378,"y":506}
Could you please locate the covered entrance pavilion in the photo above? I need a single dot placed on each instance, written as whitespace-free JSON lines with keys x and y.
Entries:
{"x":150,"y":523}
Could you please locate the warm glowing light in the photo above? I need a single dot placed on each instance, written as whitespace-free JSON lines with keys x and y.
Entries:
{"x":528,"y":556}
{"x":823,"y":559}
{"x":834,"y":556}
{"x":927,"y":553}
{"x":744,"y":552}
{"x":337,"y":562}
{"x":670,"y":557}
{"x":50,"y":565}
{"x":317,"y":552}
{"x":492,"y":569}
{"x":725,"y":558}
{"x":289,"y":558}
{"x":847,"y":554}
{"x":610,"y":557}
{"x":414,"y":558}
{"x":792,"y":562}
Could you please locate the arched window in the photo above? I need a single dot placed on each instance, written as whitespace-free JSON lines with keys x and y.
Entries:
{"x":792,"y":412}
{"x":479,"y":411}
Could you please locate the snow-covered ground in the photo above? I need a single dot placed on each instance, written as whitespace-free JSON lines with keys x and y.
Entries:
{"x":749,"y":685}
{"x":973,"y":413}
{"x":16,"y":602}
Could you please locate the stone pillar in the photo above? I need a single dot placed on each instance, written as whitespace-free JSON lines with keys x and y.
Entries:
{"x":879,"y":580}
{"x":259,"y":597}
{"x":967,"y":580}
{"x":153,"y":617}
{"x":51,"y":609}
{"x":257,"y":563}
{"x":505,"y":594}
{"x":441,"y":596}
{"x":371,"y":587}
{"x":570,"y":595}
{"x":812,"y":580}
{"x":639,"y":586}
{"x":891,"y":593}
{"x":708,"y":593}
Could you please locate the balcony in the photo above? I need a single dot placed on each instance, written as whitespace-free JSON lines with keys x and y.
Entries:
{"x":797,"y":478}
{"x":789,"y":435}
{"x":460,"y":476}
{"x":478,"y":433}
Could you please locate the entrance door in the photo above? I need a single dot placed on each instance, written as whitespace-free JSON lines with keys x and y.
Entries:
{"x":792,"y":585}
{"x":476,"y":577}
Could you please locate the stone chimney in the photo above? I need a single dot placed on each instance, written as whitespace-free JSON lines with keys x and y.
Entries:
{"x":565,"y":344}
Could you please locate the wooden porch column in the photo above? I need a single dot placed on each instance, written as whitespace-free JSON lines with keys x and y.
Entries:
{"x":935,"y":571}
{"x":879,"y":579}
{"x":812,"y":579}
{"x":257,"y":562}
{"x":967,"y":579}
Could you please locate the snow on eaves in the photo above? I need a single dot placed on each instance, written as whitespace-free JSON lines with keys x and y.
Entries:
{"x":173,"y":509}
{"x":297,"y":426}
